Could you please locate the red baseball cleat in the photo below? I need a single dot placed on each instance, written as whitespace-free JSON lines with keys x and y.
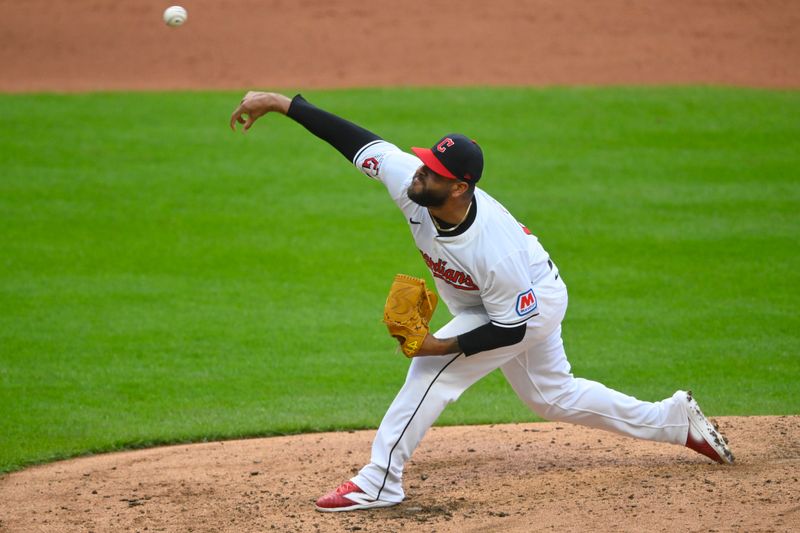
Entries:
{"x":348,"y":497}
{"x":704,"y":436}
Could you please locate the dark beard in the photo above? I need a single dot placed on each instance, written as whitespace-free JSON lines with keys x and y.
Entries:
{"x":427,"y":198}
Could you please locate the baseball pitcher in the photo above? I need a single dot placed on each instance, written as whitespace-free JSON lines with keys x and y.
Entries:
{"x":504,"y":292}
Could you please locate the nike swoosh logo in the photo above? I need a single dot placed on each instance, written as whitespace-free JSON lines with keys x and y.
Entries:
{"x":413,"y":221}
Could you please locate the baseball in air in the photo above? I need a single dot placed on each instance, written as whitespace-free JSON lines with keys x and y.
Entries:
{"x":175,"y":16}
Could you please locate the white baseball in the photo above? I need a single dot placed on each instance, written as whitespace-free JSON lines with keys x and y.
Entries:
{"x":175,"y":16}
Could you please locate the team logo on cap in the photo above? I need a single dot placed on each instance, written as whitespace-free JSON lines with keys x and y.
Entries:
{"x":446,"y":143}
{"x":526,"y":303}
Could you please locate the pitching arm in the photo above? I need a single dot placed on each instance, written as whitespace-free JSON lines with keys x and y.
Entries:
{"x":348,"y":138}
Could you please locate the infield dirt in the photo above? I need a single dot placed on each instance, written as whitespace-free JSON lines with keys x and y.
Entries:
{"x":492,"y":478}
{"x":522,"y":477}
{"x":81,"y":45}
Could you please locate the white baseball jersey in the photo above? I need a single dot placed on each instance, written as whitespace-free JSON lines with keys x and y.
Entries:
{"x":494,"y":264}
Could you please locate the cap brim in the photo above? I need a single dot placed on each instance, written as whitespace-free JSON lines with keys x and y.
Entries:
{"x":430,"y":160}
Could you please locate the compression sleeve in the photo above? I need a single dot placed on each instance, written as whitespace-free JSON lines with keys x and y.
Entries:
{"x":346,"y":137}
{"x":488,"y":337}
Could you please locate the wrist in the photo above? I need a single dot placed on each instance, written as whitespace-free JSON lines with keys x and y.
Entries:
{"x":281,"y":103}
{"x":435,"y":346}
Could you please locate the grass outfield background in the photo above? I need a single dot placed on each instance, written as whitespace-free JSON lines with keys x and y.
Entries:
{"x":163,"y":279}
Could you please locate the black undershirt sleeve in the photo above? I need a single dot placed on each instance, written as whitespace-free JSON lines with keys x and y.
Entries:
{"x":488,"y":337}
{"x":346,"y":137}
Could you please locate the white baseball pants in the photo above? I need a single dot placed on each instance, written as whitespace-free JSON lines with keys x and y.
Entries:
{"x":537,"y":369}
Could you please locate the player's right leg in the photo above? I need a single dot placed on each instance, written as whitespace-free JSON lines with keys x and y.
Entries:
{"x":541,"y":377}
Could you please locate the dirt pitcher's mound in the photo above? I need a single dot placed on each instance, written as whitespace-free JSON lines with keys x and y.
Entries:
{"x":521,"y":477}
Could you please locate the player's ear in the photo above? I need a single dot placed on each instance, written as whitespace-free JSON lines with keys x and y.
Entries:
{"x":460,"y":188}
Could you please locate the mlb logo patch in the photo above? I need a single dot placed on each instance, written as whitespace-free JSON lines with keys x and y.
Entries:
{"x":526,"y":303}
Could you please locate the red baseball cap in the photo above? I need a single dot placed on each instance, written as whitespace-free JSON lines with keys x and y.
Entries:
{"x":454,"y":156}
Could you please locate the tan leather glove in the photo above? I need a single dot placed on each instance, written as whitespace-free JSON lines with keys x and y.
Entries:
{"x":408,"y":310}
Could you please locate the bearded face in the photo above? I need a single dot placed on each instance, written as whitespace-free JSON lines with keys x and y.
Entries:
{"x":428,"y":189}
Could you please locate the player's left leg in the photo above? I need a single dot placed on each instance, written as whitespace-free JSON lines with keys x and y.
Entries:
{"x":432,"y":383}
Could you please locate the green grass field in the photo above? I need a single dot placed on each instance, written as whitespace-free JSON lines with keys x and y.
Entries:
{"x":163,"y":279}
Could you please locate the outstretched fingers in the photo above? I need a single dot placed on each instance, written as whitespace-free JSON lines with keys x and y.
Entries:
{"x":247,"y":112}
{"x":238,"y":116}
{"x":255,"y":105}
